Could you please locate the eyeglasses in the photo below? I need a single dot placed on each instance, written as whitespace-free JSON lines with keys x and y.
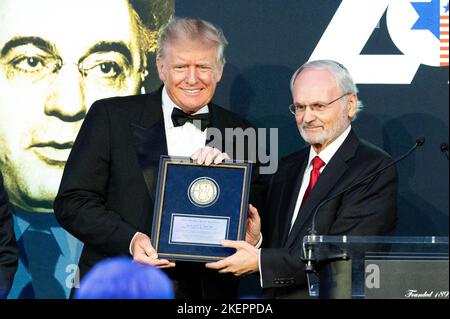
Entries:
{"x":316,"y":107}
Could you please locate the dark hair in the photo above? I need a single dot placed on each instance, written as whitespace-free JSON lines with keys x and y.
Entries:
{"x":149,"y":17}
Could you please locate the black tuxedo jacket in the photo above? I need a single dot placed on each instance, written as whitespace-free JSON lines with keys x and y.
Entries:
{"x":107,"y":192}
{"x":369,"y":209}
{"x":8,"y":247}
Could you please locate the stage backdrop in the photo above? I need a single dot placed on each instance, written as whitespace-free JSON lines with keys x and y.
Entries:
{"x":392,"y":47}
{"x":396,"y":50}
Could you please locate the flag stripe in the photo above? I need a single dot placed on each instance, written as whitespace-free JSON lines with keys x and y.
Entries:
{"x":444,"y":38}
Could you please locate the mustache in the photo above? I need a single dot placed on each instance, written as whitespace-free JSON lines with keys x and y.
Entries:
{"x":311,"y":126}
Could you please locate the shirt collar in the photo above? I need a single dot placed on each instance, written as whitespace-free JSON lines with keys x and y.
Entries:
{"x":168,"y":105}
{"x":331,"y":149}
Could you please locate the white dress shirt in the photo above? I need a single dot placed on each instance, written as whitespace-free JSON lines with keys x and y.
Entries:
{"x":181,"y":140}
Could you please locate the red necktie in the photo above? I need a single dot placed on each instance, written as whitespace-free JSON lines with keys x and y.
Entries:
{"x":317,"y":165}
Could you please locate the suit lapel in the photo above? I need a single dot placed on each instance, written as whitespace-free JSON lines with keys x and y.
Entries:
{"x":326,"y":183}
{"x":294,"y":182}
{"x":217,"y":120}
{"x":150,"y":139}
{"x":217,"y":123}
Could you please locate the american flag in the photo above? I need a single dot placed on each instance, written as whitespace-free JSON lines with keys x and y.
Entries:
{"x":443,"y":31}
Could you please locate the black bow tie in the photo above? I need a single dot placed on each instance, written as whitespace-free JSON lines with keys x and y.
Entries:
{"x":179,"y":118}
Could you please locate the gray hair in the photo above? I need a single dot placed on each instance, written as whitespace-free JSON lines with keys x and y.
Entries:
{"x":343,"y":78}
{"x":194,"y":29}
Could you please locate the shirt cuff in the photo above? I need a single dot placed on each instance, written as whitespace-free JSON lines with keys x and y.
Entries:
{"x":131,"y":243}
{"x":259,"y":243}
{"x":260,"y":269}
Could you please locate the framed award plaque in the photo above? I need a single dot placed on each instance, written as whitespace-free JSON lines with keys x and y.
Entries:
{"x":197,"y":206}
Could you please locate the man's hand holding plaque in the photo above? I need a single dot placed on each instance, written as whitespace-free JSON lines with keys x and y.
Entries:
{"x":144,"y":253}
{"x":245,"y":260}
{"x":208,"y":155}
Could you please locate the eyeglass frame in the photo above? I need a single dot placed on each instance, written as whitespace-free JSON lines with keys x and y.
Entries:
{"x":293,"y":108}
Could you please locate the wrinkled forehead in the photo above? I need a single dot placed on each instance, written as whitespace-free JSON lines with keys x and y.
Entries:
{"x":187,"y":49}
{"x":72,"y":26}
{"x":315,"y":84}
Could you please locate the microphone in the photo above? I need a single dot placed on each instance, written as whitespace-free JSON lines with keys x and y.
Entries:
{"x":419,"y":142}
{"x":309,"y":260}
{"x":444,"y":149}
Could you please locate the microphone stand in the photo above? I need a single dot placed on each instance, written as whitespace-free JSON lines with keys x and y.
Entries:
{"x":444,"y":149}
